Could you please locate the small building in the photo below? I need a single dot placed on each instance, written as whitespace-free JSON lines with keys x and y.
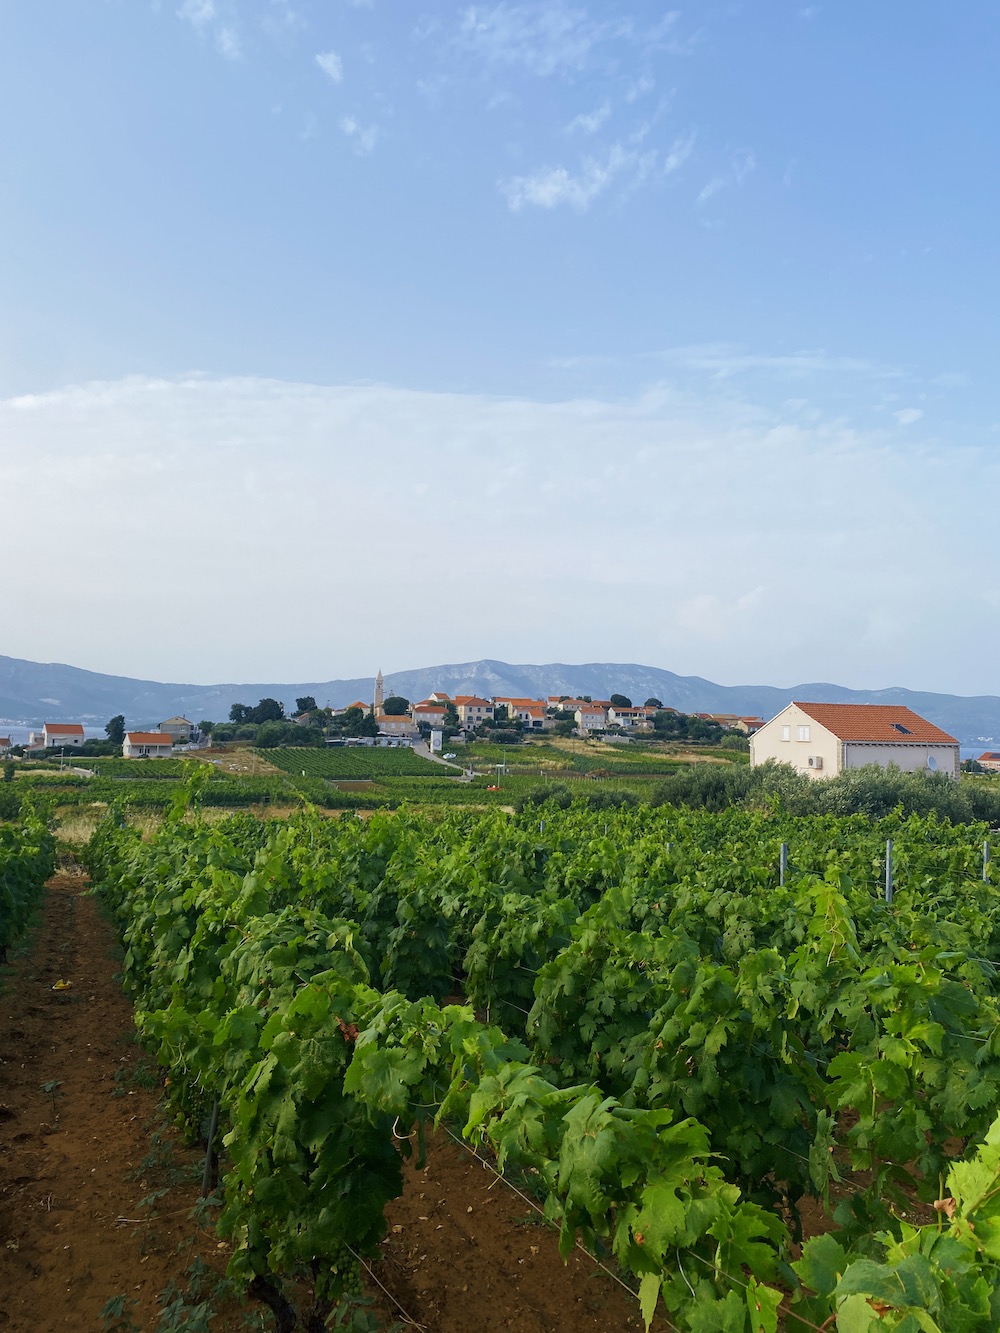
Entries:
{"x":177,"y":727}
{"x":590,"y":717}
{"x":822,"y":740}
{"x":5,"y":745}
{"x":990,"y":760}
{"x":397,"y":726}
{"x":61,"y":734}
{"x":147,"y":745}
{"x":472,"y":711}
{"x":428,"y":714}
{"x":748,"y":725}
{"x":631,"y":719}
{"x":529,"y":712}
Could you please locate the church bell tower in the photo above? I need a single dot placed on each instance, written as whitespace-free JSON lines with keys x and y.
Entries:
{"x":379,"y":693}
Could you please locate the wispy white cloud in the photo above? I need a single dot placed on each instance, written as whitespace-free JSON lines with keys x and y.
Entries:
{"x":227,"y":43}
{"x":198,"y":13}
{"x":644,"y":84}
{"x":291,"y":451}
{"x":679,"y":152}
{"x":724,"y":361}
{"x":907,"y":416}
{"x":590,"y":121}
{"x":205,"y":18}
{"x":543,"y":39}
{"x":741,"y":164}
{"x":624,"y":164}
{"x":552,"y":186}
{"x":363,"y":138}
{"x":557,"y":37}
{"x":331,"y":65}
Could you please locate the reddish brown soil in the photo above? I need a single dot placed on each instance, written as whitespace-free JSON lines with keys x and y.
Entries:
{"x":75,"y":1160}
{"x":464,"y":1252}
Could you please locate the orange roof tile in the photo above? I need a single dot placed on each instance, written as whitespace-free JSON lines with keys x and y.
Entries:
{"x":64,"y":728}
{"x":149,"y":738}
{"x":874,"y":723}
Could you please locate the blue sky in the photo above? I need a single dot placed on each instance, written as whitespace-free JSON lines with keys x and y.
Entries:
{"x":545,"y":331}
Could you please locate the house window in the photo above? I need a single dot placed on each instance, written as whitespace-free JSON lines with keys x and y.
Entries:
{"x":803,"y":732}
{"x":786,"y":733}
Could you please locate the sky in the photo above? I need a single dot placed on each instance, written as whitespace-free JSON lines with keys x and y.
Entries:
{"x":346,"y":334}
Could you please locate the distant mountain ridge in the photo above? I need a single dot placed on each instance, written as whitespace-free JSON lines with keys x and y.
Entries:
{"x":34,"y":692}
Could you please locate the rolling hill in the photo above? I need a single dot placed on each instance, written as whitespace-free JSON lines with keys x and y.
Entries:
{"x":34,"y":692}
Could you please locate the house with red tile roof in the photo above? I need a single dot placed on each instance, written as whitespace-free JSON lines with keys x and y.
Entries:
{"x":590,"y":717}
{"x":147,"y":745}
{"x":4,"y":744}
{"x":62,"y":733}
{"x":472,"y":710}
{"x":428,"y":713}
{"x":822,"y":740}
{"x":990,"y":760}
{"x":529,"y":712}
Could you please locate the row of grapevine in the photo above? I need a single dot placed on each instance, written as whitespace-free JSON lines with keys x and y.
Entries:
{"x":354,"y":762}
{"x":27,"y":859}
{"x":680,"y":1047}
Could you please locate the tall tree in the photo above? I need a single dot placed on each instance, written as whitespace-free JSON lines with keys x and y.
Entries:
{"x":268,"y":710}
{"x":620,"y":701}
{"x":307,"y":704}
{"x":116,"y":729}
{"x":396,"y":706}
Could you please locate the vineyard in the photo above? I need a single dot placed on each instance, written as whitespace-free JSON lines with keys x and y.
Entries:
{"x":684,"y":1029}
{"x":355,"y":762}
{"x":27,"y":859}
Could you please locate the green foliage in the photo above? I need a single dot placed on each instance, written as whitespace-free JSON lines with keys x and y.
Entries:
{"x":115,"y":729}
{"x":703,"y":1046}
{"x":27,"y":859}
{"x":357,"y":762}
{"x":396,"y":706}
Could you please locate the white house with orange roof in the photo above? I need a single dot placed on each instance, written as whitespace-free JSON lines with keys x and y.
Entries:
{"x":529,"y":712}
{"x":631,"y":719}
{"x":822,"y":740}
{"x":147,"y":745}
{"x":428,"y":713}
{"x":590,"y":717}
{"x":62,"y":733}
{"x":472,"y":710}
{"x":990,"y":760}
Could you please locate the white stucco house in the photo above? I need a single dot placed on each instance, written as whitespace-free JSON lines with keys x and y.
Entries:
{"x":147,"y":745}
{"x":821,"y":740}
{"x":62,"y":733}
{"x":590,"y":717}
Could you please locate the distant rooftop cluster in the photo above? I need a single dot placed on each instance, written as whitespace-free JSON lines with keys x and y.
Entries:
{"x":471,"y":712}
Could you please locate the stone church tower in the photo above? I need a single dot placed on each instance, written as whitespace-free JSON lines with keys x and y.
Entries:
{"x":379,"y":693}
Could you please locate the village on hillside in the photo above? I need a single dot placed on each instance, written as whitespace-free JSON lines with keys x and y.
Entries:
{"x":817,"y":740}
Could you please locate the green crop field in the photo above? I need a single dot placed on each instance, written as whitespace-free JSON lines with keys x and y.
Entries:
{"x":752,"y":1055}
{"x":354,"y":762}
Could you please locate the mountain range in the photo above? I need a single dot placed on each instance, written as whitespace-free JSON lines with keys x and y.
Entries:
{"x":34,"y":692}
